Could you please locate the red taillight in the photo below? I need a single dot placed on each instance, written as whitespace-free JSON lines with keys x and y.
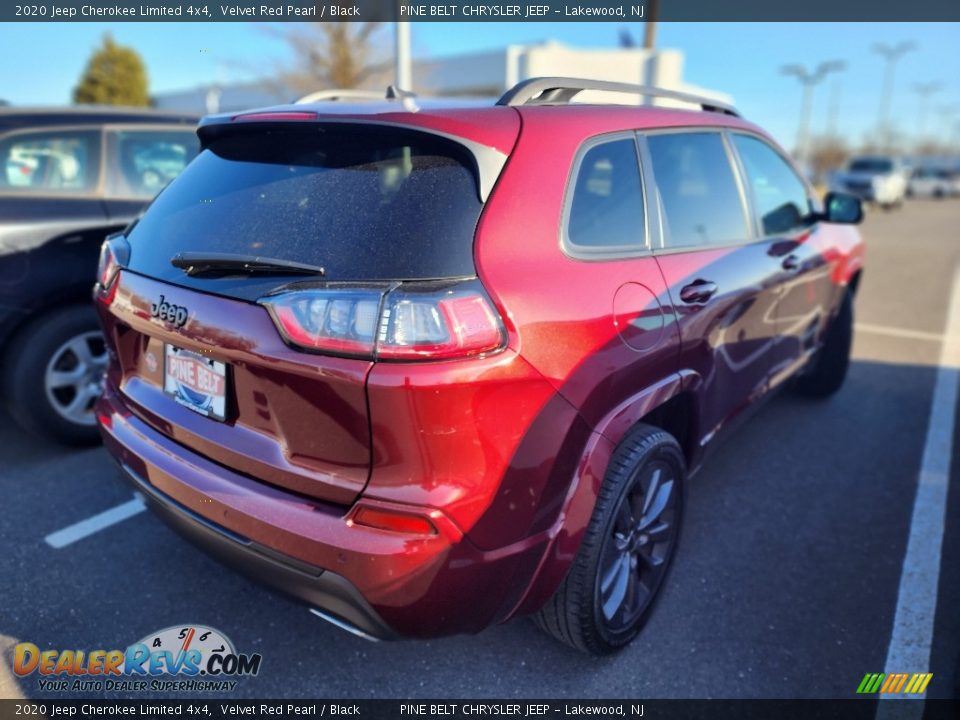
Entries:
{"x":420,"y":321}
{"x":439,"y":327}
{"x":114,"y":253}
{"x":391,"y":520}
{"x":335,"y":321}
{"x":274,"y":116}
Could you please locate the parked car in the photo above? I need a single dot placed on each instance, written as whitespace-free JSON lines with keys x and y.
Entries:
{"x":431,"y":369}
{"x":931,"y":182}
{"x":72,"y":177}
{"x":880,"y":179}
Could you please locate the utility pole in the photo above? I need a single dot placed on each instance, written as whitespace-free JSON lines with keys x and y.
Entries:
{"x":808,"y":79}
{"x":649,"y":45}
{"x":833,"y":109}
{"x":650,"y":26}
{"x":892,"y":54}
{"x":403,"y":75}
{"x":924,"y":90}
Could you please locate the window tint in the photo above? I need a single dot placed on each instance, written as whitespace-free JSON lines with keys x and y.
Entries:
{"x":57,"y":161}
{"x":697,"y":189}
{"x":363,"y":203}
{"x":141,"y":162}
{"x":780,"y":197}
{"x":607,"y":205}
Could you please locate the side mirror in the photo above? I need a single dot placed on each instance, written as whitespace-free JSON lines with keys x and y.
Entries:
{"x":842,"y":208}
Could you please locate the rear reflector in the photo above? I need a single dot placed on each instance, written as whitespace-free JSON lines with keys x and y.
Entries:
{"x":390,"y":520}
{"x":425,"y":321}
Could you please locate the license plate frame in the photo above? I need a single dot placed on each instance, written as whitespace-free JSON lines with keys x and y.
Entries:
{"x":195,"y":381}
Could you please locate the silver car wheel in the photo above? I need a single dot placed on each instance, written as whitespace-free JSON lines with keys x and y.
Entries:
{"x":74,"y":376}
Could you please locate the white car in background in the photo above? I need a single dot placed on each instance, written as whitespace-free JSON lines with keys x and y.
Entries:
{"x":931,"y":182}
{"x":880,"y":179}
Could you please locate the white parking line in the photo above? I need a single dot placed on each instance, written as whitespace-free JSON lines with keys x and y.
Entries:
{"x":902,"y":333}
{"x":85,"y":528}
{"x":912,"y":635}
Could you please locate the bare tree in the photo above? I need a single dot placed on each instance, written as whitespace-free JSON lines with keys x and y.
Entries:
{"x":826,"y":154}
{"x":333,"y":55}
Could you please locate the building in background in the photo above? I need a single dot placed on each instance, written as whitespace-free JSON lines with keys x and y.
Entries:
{"x":477,"y":74}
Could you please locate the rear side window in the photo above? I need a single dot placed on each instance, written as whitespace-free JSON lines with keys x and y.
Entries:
{"x":141,"y":162}
{"x":779,"y":195}
{"x":365,"y":203}
{"x":697,"y":189}
{"x":606,"y":209}
{"x":55,"y":161}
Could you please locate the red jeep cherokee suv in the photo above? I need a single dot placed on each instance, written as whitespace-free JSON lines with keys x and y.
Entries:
{"x":431,"y":367}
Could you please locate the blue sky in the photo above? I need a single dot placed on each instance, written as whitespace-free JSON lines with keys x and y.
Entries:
{"x":41,"y":62}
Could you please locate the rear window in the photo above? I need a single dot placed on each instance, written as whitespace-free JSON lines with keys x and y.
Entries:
{"x":364,"y":203}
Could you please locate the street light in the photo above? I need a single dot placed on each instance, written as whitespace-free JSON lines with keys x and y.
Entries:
{"x":809,"y":79}
{"x":403,"y":77}
{"x":890,"y":53}
{"x":924,"y":90}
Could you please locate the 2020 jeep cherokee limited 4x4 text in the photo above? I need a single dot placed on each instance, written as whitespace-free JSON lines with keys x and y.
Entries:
{"x":428,"y":369}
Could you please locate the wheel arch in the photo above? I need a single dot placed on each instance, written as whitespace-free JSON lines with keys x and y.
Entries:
{"x":668,"y":405}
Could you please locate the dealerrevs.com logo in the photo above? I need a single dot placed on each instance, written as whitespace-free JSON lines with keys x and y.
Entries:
{"x":182,"y":658}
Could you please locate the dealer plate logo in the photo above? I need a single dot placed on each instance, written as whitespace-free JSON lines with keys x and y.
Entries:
{"x":180,"y":658}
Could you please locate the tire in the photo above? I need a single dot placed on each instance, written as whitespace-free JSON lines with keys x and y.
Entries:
{"x":583,"y":613}
{"x":51,"y":375}
{"x":830,"y":364}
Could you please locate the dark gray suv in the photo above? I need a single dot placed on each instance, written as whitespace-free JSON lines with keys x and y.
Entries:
{"x":69,"y":177}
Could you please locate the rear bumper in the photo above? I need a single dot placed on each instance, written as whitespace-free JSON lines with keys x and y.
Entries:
{"x":384,"y":584}
{"x":312,"y":585}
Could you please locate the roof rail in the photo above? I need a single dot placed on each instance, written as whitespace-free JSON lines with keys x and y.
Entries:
{"x":561,"y":90}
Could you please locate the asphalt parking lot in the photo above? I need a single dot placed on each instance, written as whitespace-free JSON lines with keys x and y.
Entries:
{"x":785,"y":585}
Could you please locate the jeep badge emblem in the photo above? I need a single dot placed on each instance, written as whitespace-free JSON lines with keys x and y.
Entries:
{"x":176,"y":314}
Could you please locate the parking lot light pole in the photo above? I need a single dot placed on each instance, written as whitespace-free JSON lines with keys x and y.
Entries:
{"x":924,"y":90}
{"x":403,"y":77}
{"x":808,"y":79}
{"x":892,"y":54}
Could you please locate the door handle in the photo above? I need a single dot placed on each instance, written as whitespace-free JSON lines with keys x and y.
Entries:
{"x":698,"y":291}
{"x":791,"y":263}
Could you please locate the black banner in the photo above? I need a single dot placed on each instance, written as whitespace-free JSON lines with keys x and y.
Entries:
{"x":483,"y":11}
{"x":866,"y":709}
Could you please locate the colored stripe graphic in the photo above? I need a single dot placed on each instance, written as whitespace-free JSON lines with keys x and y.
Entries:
{"x":894,"y":683}
{"x":918,"y":683}
{"x":871,"y":683}
{"x":903,"y":679}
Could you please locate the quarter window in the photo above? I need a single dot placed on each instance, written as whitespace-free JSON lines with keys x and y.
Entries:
{"x":779,"y":196}
{"x":607,"y":206}
{"x":697,"y":189}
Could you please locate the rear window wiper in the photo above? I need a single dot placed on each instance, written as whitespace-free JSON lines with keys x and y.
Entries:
{"x":196,"y":263}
